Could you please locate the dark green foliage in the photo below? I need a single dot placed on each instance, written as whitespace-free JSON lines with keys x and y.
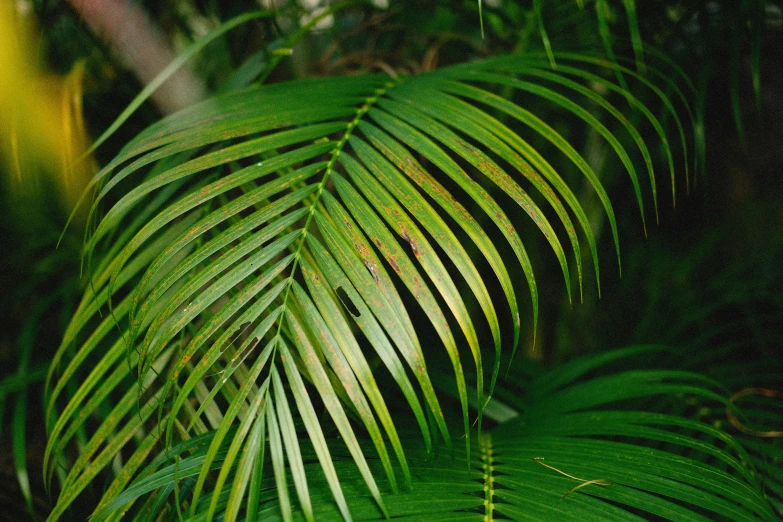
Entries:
{"x":319,"y":297}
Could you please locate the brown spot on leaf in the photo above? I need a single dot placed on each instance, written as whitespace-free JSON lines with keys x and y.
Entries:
{"x":412,"y":242}
{"x":373,"y":270}
{"x":394,"y":265}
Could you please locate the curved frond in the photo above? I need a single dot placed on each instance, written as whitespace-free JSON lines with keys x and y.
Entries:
{"x":596,"y":449}
{"x":306,"y":246}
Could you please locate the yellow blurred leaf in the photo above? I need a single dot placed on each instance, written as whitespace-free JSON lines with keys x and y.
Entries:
{"x":41,"y":120}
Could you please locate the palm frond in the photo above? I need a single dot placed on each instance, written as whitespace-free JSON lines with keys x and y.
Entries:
{"x":249,"y":271}
{"x":595,"y":449}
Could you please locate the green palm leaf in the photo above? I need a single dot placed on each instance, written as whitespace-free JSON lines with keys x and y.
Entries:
{"x":267,"y":253}
{"x":588,"y":459}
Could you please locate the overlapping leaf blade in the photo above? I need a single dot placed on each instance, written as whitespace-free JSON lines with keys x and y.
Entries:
{"x":602,"y":462}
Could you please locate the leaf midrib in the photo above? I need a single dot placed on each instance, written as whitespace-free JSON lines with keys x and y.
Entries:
{"x":350,"y":126}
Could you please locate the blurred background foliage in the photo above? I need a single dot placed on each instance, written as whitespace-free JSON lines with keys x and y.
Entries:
{"x":707,"y":280}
